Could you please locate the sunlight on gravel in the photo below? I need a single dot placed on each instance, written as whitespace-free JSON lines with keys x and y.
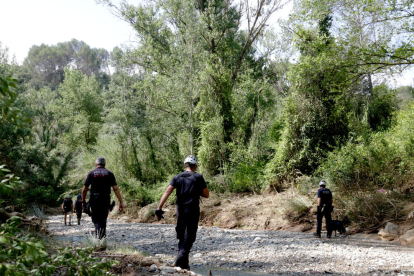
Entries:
{"x":272,"y":252}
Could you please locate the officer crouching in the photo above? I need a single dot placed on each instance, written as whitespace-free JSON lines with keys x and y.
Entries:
{"x":189,"y":187}
{"x":324,"y":210}
{"x":100,"y":180}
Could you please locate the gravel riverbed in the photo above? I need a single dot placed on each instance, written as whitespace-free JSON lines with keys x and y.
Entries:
{"x":265,"y":252}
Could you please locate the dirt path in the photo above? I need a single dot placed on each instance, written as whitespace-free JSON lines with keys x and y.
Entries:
{"x":269,"y":252}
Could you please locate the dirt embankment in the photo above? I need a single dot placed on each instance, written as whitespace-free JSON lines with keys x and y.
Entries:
{"x":241,"y":211}
{"x":272,"y":211}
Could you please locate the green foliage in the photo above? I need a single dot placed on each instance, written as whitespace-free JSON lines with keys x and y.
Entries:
{"x":253,"y":109}
{"x":384,"y":161}
{"x":199,"y":65}
{"x":80,"y":109}
{"x":315,"y":119}
{"x":22,"y":254}
{"x":371,"y":208}
{"x":8,"y":182}
{"x":8,"y":95}
{"x":382,"y":105}
{"x":404,"y":95}
{"x":136,"y":193}
{"x":45,"y":65}
{"x":245,"y":177}
{"x":377,"y":171}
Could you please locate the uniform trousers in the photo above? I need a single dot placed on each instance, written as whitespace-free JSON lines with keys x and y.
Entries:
{"x":187,"y":225}
{"x":326,"y":212}
{"x":100,"y":211}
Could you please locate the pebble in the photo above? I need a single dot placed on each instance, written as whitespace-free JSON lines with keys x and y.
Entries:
{"x":167,"y":269}
{"x":266,"y":252}
{"x":153,"y":268}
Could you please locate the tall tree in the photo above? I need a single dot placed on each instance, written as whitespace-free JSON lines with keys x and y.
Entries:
{"x":194,"y":55}
{"x":45,"y":64}
{"x":80,"y":109}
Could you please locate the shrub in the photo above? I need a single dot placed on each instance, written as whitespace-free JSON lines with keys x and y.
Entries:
{"x":297,"y":208}
{"x":382,"y":162}
{"x":245,"y":177}
{"x":370,"y":209}
{"x":133,"y":191}
{"x":22,"y":254}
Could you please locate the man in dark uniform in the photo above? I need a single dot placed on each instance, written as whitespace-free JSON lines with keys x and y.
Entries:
{"x":101,"y":180}
{"x":189,"y":187}
{"x":324,"y":209}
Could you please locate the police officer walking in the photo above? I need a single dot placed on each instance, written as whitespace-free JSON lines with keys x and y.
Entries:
{"x":189,"y":187}
{"x":324,"y":209}
{"x":100,"y":180}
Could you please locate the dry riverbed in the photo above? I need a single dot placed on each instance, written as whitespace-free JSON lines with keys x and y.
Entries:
{"x":239,"y":252}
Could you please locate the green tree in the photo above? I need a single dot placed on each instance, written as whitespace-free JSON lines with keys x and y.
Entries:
{"x":196,"y":58}
{"x":80,"y":109}
{"x":45,"y":65}
{"x":315,"y":120}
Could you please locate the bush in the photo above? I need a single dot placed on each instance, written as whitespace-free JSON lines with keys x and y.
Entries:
{"x":370,"y":209}
{"x":21,"y":254}
{"x":297,"y":208}
{"x":382,"y":162}
{"x":133,"y":191}
{"x":245,"y":177}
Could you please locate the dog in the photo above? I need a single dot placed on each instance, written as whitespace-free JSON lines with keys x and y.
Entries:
{"x":337,"y":225}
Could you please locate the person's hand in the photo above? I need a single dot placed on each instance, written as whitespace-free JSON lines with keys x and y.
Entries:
{"x":159,"y":213}
{"x":121,"y":207}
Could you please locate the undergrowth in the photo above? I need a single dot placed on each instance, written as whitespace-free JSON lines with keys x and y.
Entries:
{"x":23,"y":254}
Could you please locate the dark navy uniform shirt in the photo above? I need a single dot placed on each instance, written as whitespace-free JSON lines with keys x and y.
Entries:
{"x":101,"y":180}
{"x":325,"y":195}
{"x":67,"y":204}
{"x":189,"y":187}
{"x":78,"y":206}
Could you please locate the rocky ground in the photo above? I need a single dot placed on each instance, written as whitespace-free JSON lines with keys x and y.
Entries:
{"x":241,"y":252}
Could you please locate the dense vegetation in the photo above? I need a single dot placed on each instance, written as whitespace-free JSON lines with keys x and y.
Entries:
{"x":259,"y":107}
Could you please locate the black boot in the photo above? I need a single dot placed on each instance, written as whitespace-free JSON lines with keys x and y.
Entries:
{"x":317,"y":235}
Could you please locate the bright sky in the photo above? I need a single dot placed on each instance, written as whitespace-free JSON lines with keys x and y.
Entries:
{"x":25,"y":23}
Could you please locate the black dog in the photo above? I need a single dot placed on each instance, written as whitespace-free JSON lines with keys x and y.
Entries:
{"x":337,"y":225}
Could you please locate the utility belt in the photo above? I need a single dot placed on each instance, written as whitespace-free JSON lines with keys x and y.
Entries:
{"x":99,"y":198}
{"x":325,"y":209}
{"x":96,"y":198}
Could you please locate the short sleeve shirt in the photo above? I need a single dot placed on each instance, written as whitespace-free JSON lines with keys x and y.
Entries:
{"x":67,"y":203}
{"x":100,"y":180}
{"x":325,"y":195}
{"x":78,"y":206}
{"x":189,"y":187}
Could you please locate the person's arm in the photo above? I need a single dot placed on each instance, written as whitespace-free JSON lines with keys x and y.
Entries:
{"x":62,"y":206}
{"x":84,"y":192}
{"x":165,"y":196}
{"x":118,"y":195}
{"x":205,"y":193}
{"x":319,"y":201}
{"x":73,"y":207}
